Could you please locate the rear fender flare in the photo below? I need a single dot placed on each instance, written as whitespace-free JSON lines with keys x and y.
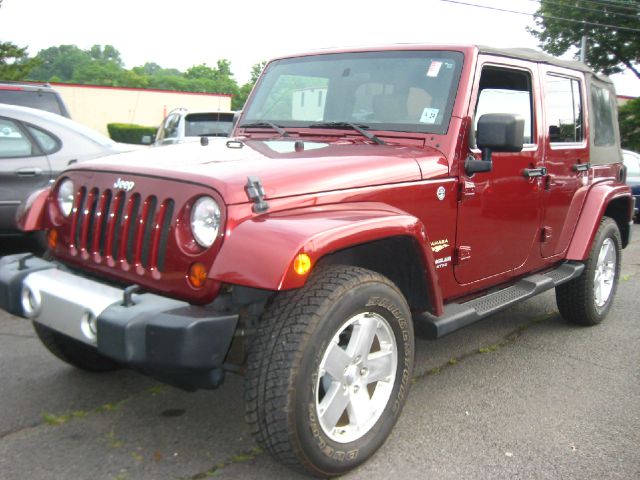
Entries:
{"x":595,"y":207}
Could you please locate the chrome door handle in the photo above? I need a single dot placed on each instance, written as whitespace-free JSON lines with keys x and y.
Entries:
{"x":581,"y":167}
{"x":28,"y":172}
{"x":534,"y":172}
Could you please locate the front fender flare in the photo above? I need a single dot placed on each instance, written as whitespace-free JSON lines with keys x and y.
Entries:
{"x":260,"y":252}
{"x":31,"y":213}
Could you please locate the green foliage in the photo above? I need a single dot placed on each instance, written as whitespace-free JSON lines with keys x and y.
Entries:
{"x":609,"y":50}
{"x":238,"y":101}
{"x":15,"y":63}
{"x":129,"y":133}
{"x":629,"y":115}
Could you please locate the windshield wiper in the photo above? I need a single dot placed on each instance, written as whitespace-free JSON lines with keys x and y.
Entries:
{"x":270,"y":125}
{"x":358,"y":128}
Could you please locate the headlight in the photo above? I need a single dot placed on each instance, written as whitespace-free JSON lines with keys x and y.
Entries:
{"x":205,"y":221}
{"x":65,"y":196}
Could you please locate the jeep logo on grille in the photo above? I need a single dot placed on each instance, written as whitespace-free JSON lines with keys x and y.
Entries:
{"x":125,"y":185}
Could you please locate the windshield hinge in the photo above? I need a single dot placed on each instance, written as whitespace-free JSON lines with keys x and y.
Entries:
{"x":255,"y":192}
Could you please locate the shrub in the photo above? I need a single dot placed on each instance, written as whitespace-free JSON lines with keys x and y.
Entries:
{"x":129,"y":133}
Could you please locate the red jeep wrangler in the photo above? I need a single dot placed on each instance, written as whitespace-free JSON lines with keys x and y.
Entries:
{"x":365,"y":192}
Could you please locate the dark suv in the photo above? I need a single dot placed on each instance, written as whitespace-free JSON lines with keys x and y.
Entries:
{"x":38,"y":95}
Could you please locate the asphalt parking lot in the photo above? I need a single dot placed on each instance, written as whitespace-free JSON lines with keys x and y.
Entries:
{"x":519,"y":395}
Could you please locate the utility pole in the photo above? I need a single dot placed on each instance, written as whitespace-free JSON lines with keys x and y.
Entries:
{"x":583,"y":44}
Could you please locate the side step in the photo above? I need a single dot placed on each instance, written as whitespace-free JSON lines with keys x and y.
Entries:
{"x":458,"y":315}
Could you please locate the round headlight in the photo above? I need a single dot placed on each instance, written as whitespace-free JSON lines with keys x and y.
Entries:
{"x":65,"y":196}
{"x":205,"y":221}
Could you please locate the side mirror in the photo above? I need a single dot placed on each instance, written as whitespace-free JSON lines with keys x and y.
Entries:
{"x":147,"y":140}
{"x":497,"y":132}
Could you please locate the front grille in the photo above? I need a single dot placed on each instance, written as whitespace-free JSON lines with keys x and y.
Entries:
{"x":116,"y":226}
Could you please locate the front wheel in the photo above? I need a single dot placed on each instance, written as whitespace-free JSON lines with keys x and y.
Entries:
{"x":587,"y":299}
{"x":330,"y":370}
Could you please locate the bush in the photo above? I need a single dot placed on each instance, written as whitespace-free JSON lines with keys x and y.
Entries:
{"x":629,"y":115}
{"x":129,"y":133}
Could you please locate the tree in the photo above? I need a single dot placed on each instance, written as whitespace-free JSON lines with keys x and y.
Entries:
{"x":612,"y":29}
{"x":238,"y":101}
{"x":629,"y":115}
{"x":60,"y":62}
{"x":15,"y":63}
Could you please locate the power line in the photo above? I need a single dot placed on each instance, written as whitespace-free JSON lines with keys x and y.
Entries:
{"x":620,"y":14}
{"x":581,"y":22}
{"x":615,"y":4}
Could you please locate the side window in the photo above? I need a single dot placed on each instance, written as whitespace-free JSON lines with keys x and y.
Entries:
{"x":13,"y":143}
{"x":602,"y":111}
{"x":563,"y":103}
{"x":506,"y":91}
{"x":48,"y":143}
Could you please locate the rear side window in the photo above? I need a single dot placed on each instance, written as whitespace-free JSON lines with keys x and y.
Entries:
{"x":48,"y":143}
{"x":13,"y":142}
{"x":563,"y":101}
{"x":42,"y":100}
{"x":602,"y":112}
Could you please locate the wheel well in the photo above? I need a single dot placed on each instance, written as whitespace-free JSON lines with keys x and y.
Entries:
{"x":618,"y":209}
{"x":396,"y":258}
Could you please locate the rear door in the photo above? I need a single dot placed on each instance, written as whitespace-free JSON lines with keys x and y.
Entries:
{"x":566,"y":158}
{"x":23,"y":168}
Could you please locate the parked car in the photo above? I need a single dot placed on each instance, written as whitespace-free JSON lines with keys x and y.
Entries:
{"x":35,"y":146}
{"x":365,"y":193}
{"x":41,"y":96}
{"x":632,"y":162}
{"x":182,"y":125}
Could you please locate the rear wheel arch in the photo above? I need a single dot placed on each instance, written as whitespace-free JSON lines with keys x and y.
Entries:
{"x":620,"y":210}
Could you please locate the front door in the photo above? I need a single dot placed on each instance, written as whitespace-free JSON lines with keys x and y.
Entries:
{"x":498,"y":212}
{"x":23,"y":169}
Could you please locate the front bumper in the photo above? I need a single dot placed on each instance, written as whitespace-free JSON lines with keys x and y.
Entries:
{"x":174,"y":341}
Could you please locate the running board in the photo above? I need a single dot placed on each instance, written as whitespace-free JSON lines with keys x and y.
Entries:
{"x":458,"y":315}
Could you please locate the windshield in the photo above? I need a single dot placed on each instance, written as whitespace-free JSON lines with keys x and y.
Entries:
{"x":34,"y":99}
{"x":208,"y":124}
{"x":411,"y":91}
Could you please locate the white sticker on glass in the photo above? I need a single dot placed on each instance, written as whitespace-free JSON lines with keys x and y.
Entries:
{"x":434,"y":69}
{"x":429,"y":115}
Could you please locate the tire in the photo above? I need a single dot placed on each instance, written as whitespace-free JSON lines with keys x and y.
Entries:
{"x":74,"y":352}
{"x":586,"y":300}
{"x":298,"y":364}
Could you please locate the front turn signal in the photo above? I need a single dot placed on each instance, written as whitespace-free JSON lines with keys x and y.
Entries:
{"x":52,"y":238}
{"x":302,"y":264}
{"x":197,"y":275}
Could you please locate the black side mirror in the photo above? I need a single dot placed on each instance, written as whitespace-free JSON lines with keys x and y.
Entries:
{"x":497,"y":132}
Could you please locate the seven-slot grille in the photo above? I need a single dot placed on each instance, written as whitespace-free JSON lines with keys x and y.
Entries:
{"x":120,"y":226}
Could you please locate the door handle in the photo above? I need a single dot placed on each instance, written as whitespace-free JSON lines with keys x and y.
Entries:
{"x":581,"y":167}
{"x":28,"y":172}
{"x":534,"y":172}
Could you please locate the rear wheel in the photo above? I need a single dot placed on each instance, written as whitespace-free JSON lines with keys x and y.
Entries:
{"x":587,"y":299}
{"x":74,"y":352}
{"x":330,"y":370}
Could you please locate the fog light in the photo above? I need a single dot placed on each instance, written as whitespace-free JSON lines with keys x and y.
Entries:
{"x":31,"y":302}
{"x":197,"y":275}
{"x":302,"y":264}
{"x":89,"y":325}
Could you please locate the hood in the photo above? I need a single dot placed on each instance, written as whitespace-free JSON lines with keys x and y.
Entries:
{"x":284,"y":167}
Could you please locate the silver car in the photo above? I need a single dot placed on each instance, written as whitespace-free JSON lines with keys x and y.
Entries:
{"x":632,"y":162}
{"x":35,"y":146}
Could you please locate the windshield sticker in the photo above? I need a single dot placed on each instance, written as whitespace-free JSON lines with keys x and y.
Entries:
{"x":434,"y":69}
{"x":429,"y":115}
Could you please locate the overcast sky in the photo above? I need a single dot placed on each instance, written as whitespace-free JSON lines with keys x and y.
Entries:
{"x":182,"y":33}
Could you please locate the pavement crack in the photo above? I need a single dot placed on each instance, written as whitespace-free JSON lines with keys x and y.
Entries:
{"x":241,"y":457}
{"x":16,"y":431}
{"x":507,"y":339}
{"x":16,"y":335}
